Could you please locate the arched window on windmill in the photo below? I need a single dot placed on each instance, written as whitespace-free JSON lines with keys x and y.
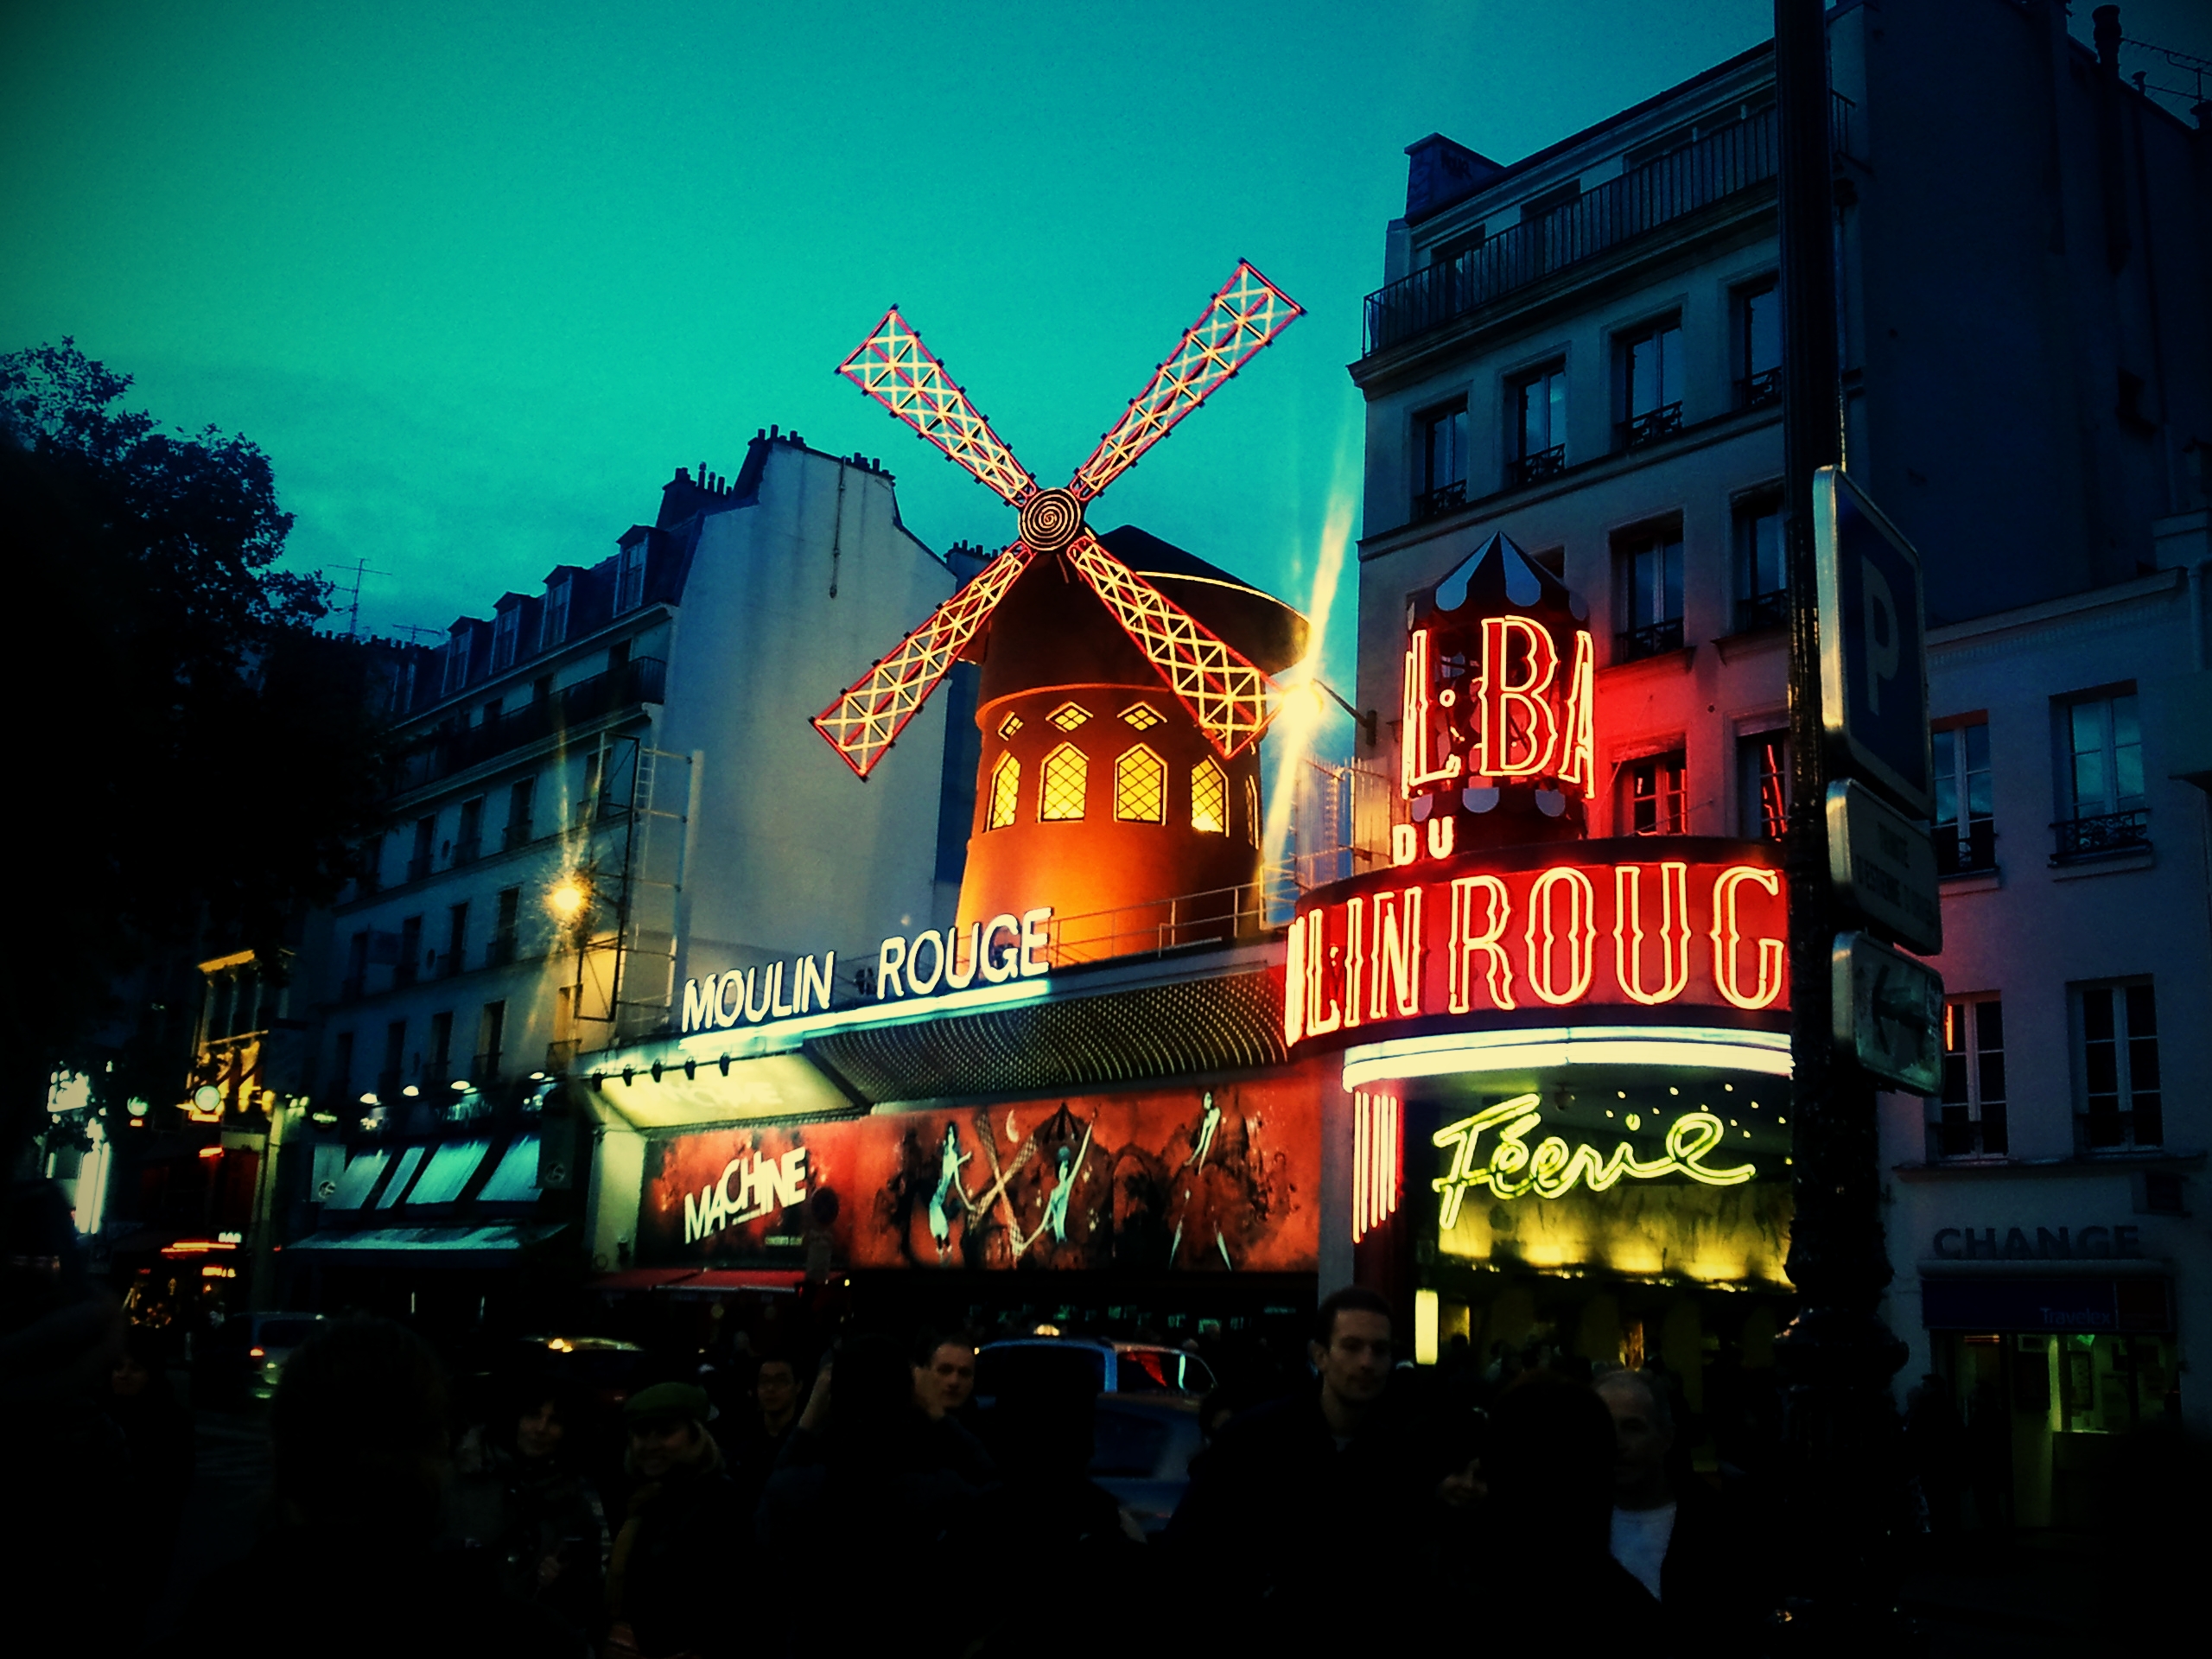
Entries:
{"x":1141,"y":787}
{"x":1208,"y":799}
{"x":1006,"y":792}
{"x":1252,"y":810}
{"x":1067,"y":773}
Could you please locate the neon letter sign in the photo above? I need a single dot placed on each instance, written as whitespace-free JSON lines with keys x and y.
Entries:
{"x":1551,"y":1168}
{"x":1727,"y":936}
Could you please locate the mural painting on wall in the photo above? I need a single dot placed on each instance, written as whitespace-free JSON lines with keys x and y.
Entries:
{"x":1221,"y":1179}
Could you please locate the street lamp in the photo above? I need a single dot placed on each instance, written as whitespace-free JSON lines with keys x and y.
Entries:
{"x":1308,"y":701}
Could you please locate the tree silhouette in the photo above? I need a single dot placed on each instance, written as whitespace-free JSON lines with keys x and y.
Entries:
{"x":192,"y":758}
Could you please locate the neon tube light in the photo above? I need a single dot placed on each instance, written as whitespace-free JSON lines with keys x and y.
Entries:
{"x":1454,"y":1054}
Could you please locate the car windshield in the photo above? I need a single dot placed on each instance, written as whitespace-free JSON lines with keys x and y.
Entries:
{"x":285,"y":1333}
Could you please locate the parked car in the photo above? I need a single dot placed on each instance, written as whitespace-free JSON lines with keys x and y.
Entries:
{"x":1123,"y":1367}
{"x":244,"y":1356}
{"x":1146,"y":1428}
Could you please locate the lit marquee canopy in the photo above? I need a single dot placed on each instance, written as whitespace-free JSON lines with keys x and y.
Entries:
{"x":1229,"y":697}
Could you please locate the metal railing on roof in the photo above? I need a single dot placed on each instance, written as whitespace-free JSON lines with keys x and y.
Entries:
{"x":1713,"y":168}
{"x":642,"y":680}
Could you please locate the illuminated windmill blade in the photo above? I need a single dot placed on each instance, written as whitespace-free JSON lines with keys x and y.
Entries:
{"x":1231,"y":700}
{"x":862,"y":724}
{"x":893,"y":367}
{"x":1247,"y":313}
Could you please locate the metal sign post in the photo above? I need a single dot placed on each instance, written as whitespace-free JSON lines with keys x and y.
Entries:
{"x":1884,"y":867}
{"x":1888,"y":1010}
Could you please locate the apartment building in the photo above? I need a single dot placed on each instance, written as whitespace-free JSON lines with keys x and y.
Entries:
{"x":1581,"y":350}
{"x":596,"y":778}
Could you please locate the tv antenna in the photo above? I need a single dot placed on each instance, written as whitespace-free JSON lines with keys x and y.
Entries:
{"x":352,"y":592}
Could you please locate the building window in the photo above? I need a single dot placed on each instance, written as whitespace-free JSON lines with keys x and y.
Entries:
{"x":395,"y":1062}
{"x":506,"y":912}
{"x":1142,"y":716}
{"x":630,"y":591}
{"x":1966,"y":836}
{"x":1139,"y":788}
{"x":1538,"y":405}
{"x":1010,"y":726}
{"x":1969,"y":1118}
{"x":1652,"y":796}
{"x":1067,"y":773}
{"x":507,"y":635}
{"x":1758,"y":346}
{"x":2105,"y":808}
{"x":1068,"y":716}
{"x":456,"y":957}
{"x":426,"y":840}
{"x":522,"y":798}
{"x":456,"y":661}
{"x":1651,"y":598}
{"x":342,"y":1066}
{"x":1761,"y":583}
{"x":468,"y":844}
{"x":1443,"y":461}
{"x":411,"y":951}
{"x":553,"y":627}
{"x":2116,"y":1066}
{"x":1208,"y":799}
{"x":369,"y":866}
{"x":1252,"y":811}
{"x":1652,"y":384}
{"x":1006,"y":792}
{"x":441,"y":1046}
{"x":1763,"y":784}
{"x":490,"y":1036}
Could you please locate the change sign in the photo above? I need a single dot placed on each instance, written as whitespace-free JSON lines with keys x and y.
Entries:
{"x":1874,"y":642}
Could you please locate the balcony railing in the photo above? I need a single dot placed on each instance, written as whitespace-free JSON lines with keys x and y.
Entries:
{"x":1651,"y":426}
{"x":1762,"y":611}
{"x":1723,"y":164}
{"x":1651,"y":641}
{"x":1540,"y":464}
{"x":501,"y":951}
{"x":1966,"y":853}
{"x":2106,"y":833}
{"x":1443,"y":499}
{"x":644,"y":680}
{"x":1756,"y":391}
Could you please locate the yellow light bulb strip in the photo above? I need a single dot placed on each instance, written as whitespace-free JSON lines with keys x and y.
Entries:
{"x":1247,"y":313}
{"x":1226,"y":695}
{"x":862,"y":723}
{"x":892,"y":367}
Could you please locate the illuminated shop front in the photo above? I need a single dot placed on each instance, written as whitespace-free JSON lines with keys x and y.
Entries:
{"x":1566,"y":1059}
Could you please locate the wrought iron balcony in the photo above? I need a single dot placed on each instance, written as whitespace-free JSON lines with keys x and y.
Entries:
{"x":1671,"y":188}
{"x":1442,"y":499}
{"x":1540,"y":464}
{"x":1762,"y":611}
{"x":2104,"y":833}
{"x":1651,"y":426}
{"x":1969,"y":852}
{"x":1638,"y":642}
{"x":501,"y":951}
{"x":1756,"y":391}
{"x":459,"y":747}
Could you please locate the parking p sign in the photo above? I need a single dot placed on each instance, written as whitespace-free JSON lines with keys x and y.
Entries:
{"x":1874,"y":642}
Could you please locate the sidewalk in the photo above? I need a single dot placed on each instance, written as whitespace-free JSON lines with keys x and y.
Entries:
{"x":2043,"y":1592}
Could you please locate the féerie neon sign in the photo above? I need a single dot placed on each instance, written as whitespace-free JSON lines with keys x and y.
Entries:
{"x":1552,"y":1167}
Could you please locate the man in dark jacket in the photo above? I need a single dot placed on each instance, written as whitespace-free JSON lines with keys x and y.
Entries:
{"x":1681,"y":1543}
{"x":668,"y":1580}
{"x":1332,"y":1486}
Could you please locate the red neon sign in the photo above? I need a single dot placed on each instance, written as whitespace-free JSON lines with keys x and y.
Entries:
{"x":1518,"y":933}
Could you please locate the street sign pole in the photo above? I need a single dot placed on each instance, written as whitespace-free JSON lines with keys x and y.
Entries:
{"x":1836,"y":1356}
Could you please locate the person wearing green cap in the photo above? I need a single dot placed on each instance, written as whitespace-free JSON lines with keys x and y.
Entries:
{"x":685,"y":1524}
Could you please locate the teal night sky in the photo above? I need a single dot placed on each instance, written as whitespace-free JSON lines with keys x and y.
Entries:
{"x":480,"y":278}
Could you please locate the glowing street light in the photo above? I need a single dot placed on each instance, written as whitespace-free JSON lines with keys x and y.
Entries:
{"x":568,"y":896}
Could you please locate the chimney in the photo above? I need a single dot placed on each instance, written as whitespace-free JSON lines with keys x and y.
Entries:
{"x":2104,"y":27}
{"x":2112,"y":162}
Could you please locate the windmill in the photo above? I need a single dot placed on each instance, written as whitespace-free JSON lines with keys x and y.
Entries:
{"x":1113,"y":621}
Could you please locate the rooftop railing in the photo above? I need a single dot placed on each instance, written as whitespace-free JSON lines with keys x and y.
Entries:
{"x":1713,"y":168}
{"x":446,"y":752}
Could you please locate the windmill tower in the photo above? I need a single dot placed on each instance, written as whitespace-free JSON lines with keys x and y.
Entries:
{"x":1125,"y":684}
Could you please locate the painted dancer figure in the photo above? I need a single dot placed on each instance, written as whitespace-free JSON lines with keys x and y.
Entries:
{"x":948,"y":1182}
{"x":1056,"y":1207}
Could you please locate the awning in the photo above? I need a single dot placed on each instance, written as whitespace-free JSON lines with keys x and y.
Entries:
{"x":450,"y":1168}
{"x":637,"y":1277}
{"x":358,"y":1180}
{"x":776,"y":1282}
{"x":781,"y":1281}
{"x":396,"y":1188}
{"x":2084,"y":1304}
{"x":431,"y":1247}
{"x":515,"y":1179}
